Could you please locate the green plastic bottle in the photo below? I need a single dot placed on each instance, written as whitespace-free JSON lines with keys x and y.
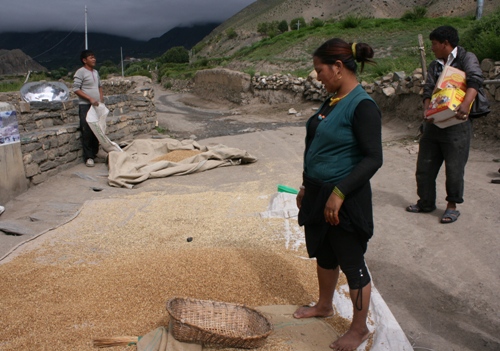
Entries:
{"x":286,"y":189}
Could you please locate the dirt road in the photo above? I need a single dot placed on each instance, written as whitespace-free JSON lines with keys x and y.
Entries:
{"x":440,"y":281}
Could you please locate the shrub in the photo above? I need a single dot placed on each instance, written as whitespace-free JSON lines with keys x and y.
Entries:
{"x":231,"y":33}
{"x":482,"y":37}
{"x":298,"y":23}
{"x":250,"y":71}
{"x":142,"y":72}
{"x":270,"y":29}
{"x":161,"y":130}
{"x":202,"y":62}
{"x":316,"y":22}
{"x":283,"y":26}
{"x":418,"y":12}
{"x":103,"y":72}
{"x":262,"y":28}
{"x":177,"y":54}
{"x":198,"y":47}
{"x":58,"y":73}
{"x":351,"y":21}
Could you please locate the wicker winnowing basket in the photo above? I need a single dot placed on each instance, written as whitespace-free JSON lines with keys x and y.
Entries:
{"x":217,"y":323}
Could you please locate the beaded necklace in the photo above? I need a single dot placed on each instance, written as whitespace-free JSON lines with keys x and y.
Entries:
{"x":333,"y":101}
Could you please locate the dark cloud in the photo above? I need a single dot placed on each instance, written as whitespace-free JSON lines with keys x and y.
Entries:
{"x":138,"y":19}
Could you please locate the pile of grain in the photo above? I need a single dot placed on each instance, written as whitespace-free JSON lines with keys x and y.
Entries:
{"x":176,"y":155}
{"x":110,"y":271}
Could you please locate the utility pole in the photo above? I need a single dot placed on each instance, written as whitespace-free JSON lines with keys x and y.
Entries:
{"x":421,"y":47}
{"x":121,"y":54}
{"x":86,"y":41}
{"x":479,"y":11}
{"x":298,"y":25}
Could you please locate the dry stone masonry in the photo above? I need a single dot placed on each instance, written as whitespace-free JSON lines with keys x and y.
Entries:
{"x":389,"y":85}
{"x":398,"y":93}
{"x":50,"y":135}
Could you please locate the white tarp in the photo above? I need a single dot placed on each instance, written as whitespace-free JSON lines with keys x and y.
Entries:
{"x":388,"y":334}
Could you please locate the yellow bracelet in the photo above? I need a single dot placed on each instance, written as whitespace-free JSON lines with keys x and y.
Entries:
{"x":337,"y":192}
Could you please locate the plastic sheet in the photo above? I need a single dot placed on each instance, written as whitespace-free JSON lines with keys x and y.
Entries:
{"x":388,"y":335}
{"x":96,"y":118}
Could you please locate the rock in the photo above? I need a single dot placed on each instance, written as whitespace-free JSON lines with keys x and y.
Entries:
{"x":494,"y":73}
{"x":292,"y":111}
{"x":388,"y":77}
{"x":389,"y":91}
{"x":417,"y":77}
{"x":487,"y":65}
{"x":399,"y":76}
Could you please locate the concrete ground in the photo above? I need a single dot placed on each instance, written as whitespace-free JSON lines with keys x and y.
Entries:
{"x":441,"y":282}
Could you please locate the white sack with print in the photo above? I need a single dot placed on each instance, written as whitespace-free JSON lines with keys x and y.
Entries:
{"x":96,"y":118}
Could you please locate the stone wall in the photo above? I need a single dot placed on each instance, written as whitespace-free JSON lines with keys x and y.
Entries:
{"x":397,"y":94}
{"x":222,"y":84}
{"x":49,"y":131}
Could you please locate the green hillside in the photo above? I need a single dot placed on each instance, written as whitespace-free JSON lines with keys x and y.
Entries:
{"x":395,"y":42}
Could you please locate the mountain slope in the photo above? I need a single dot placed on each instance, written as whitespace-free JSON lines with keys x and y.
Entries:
{"x":271,"y":10}
{"x":14,"y":62}
{"x":246,"y":21}
{"x":54,"y":49}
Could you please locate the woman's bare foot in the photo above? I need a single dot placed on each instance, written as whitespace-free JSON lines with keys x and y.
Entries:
{"x":350,"y":340}
{"x":313,"y":311}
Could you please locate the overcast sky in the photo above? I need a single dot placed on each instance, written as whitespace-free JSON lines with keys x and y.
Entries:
{"x":137,"y":19}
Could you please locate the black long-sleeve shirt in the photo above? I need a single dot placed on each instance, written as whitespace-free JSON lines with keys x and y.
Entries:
{"x":367,"y":128}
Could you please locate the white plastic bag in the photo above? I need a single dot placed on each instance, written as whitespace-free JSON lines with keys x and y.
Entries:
{"x":96,"y":118}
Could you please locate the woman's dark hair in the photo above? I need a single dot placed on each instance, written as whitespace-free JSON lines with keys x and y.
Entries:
{"x":444,"y":33}
{"x":85,"y":53}
{"x":337,"y":49}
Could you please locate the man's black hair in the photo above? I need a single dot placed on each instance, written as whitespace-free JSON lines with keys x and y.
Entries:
{"x":444,"y":33}
{"x":85,"y":54}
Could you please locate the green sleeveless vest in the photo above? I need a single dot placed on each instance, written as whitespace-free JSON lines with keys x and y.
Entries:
{"x":334,"y":151}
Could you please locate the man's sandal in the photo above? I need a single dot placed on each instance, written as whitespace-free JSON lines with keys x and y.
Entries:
{"x":417,"y":209}
{"x":450,"y":216}
{"x":413,"y":208}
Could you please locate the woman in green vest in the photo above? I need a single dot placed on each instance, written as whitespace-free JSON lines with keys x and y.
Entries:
{"x":343,"y":151}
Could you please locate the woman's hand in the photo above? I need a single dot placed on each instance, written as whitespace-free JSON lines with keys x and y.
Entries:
{"x":332,"y":209}
{"x":299,"y":197}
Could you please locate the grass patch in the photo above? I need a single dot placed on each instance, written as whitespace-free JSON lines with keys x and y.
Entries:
{"x":8,"y":86}
{"x":161,"y":130}
{"x":395,"y":42}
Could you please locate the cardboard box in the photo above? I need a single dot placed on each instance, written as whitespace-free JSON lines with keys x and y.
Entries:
{"x":451,"y":77}
{"x":443,"y":105}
